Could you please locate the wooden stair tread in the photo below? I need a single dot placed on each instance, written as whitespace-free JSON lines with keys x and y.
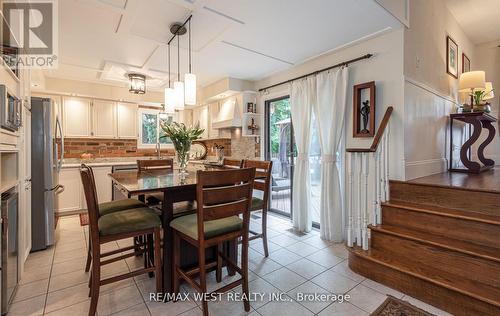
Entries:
{"x":477,"y":290}
{"x":441,"y":211}
{"x":469,"y":248}
{"x":473,"y":187}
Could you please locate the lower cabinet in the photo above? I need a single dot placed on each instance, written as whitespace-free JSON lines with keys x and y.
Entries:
{"x":72,"y":199}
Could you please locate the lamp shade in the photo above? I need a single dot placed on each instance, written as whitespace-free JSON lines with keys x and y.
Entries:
{"x":179,"y":95}
{"x":137,"y":83}
{"x":190,"y":88}
{"x":489,"y":91}
{"x":472,"y":80}
{"x":170,"y":100}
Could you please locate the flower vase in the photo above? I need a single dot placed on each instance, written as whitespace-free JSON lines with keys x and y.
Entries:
{"x":183,"y":158}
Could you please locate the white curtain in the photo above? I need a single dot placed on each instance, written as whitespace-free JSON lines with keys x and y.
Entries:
{"x":329,"y":110}
{"x":302,"y":99}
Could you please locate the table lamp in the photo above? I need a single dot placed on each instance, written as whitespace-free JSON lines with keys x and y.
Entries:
{"x":470,"y":81}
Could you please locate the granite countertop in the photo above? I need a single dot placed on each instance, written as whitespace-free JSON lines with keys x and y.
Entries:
{"x":116,"y":161}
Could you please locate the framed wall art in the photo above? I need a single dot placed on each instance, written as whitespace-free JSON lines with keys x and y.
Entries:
{"x":465,"y":63}
{"x":364,"y":110}
{"x":451,"y":57}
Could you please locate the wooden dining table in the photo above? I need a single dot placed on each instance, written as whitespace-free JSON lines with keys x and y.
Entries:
{"x":175,"y":188}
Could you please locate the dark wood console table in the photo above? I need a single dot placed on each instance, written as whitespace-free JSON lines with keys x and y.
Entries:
{"x":478,"y":120}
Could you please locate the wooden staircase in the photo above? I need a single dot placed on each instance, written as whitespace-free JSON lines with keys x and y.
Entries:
{"x":440,"y":244}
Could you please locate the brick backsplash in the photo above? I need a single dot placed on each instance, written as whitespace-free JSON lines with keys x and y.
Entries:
{"x":75,"y":147}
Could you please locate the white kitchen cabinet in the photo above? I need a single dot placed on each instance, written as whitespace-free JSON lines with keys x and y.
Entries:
{"x":70,"y":199}
{"x":213,"y":113}
{"x":200,"y":117}
{"x":103,"y":183}
{"x":126,"y":120}
{"x":104,"y":119}
{"x":77,"y":117}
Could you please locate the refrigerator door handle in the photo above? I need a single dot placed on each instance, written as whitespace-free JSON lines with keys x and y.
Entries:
{"x":60,"y":161}
{"x":57,"y":189}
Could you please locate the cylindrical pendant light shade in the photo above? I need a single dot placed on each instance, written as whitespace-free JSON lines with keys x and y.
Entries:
{"x":170,"y":100}
{"x":179,"y":95}
{"x":190,"y":89}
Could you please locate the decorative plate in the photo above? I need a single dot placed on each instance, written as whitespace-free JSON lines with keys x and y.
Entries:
{"x":198,"y":151}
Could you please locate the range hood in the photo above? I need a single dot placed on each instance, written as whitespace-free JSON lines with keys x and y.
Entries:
{"x":229,"y":114}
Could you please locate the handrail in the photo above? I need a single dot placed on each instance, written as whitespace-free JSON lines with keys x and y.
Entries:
{"x":378,"y":136}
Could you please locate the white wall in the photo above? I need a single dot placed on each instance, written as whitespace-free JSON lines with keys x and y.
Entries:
{"x":430,"y":93}
{"x":385,"y":68}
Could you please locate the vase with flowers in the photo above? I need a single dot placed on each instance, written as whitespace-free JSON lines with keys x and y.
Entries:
{"x":182,"y":137}
{"x":480,"y":96}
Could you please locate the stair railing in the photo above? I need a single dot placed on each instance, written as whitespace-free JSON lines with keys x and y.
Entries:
{"x":363,"y":186}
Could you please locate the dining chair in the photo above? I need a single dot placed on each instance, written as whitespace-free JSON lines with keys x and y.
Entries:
{"x":222,"y":196}
{"x":116,"y":226}
{"x":262,"y":183}
{"x":112,"y":207}
{"x":232,"y":163}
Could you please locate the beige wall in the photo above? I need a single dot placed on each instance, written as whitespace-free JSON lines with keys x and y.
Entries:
{"x":385,"y":68}
{"x":431,"y":94}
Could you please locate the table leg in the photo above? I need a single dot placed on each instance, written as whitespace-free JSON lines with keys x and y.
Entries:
{"x":480,"y":151}
{"x":471,"y":165}
{"x":167,"y":215}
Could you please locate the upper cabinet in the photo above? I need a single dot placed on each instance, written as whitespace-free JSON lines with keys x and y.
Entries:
{"x":103,"y":119}
{"x":98,"y":118}
{"x":200,"y":118}
{"x":126,"y":120}
{"x":77,"y":117}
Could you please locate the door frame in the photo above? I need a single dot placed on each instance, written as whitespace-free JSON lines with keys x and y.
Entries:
{"x":267,"y":151}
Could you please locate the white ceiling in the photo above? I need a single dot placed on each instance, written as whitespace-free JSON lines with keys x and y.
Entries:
{"x":101,"y":40}
{"x":480,"y":19}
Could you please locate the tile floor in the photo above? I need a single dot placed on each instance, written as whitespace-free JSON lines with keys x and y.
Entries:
{"x":54,"y":281}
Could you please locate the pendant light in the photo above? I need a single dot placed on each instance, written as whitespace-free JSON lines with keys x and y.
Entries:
{"x":179,"y":85}
{"x":190,"y":78}
{"x":170,"y":100}
{"x":137,"y":83}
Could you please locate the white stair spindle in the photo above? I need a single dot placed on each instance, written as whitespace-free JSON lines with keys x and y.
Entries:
{"x":350,"y":198}
{"x":365,"y":166}
{"x":358,"y":199}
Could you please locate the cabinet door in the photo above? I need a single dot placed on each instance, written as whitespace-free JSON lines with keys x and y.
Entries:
{"x":103,"y":183}
{"x":127,"y":120}
{"x":213,"y":112}
{"x":104,"y":119}
{"x":203,"y":119}
{"x":71,"y":198}
{"x":77,"y":117}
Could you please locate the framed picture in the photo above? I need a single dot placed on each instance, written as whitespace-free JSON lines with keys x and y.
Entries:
{"x":364,"y":110}
{"x":465,"y":63}
{"x":451,"y":57}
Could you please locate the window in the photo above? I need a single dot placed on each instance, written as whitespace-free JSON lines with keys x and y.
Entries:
{"x":149,"y":128}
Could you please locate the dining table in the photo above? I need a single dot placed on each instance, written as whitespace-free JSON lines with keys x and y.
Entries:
{"x":176,"y":187}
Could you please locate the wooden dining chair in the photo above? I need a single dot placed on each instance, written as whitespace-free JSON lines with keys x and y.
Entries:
{"x":232,"y":163}
{"x":222,"y":196}
{"x":116,"y":226}
{"x":262,"y":183}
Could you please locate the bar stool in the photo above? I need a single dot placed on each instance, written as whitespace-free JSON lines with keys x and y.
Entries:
{"x":222,"y":197}
{"x":115,"y":226}
{"x":262,"y":183}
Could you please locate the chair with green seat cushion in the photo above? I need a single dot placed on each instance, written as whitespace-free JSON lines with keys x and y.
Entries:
{"x":119,"y":205}
{"x":188,"y":225}
{"x":128,"y":221}
{"x":257,"y":204}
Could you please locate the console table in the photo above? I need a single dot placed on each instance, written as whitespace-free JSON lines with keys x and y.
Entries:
{"x":479,"y":121}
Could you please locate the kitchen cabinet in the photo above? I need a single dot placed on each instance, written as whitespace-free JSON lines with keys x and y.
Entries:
{"x":213,"y":113}
{"x":126,"y":120}
{"x":104,"y":119}
{"x":77,"y":117}
{"x":103,"y":183}
{"x":200,"y":117}
{"x":70,"y":199}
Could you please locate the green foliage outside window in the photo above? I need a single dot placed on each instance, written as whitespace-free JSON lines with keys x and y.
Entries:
{"x":149,"y":128}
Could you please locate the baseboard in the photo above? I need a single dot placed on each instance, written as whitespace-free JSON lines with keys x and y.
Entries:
{"x":422,"y":168}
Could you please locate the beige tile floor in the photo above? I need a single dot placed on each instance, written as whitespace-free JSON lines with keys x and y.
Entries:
{"x":54,"y":281}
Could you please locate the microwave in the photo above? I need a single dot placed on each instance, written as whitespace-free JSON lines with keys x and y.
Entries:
{"x":11,"y":107}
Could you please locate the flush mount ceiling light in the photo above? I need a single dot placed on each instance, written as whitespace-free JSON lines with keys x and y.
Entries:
{"x":137,"y":83}
{"x":182,"y":92}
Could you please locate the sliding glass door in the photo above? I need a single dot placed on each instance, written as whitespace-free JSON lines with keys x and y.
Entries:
{"x":281,"y":150}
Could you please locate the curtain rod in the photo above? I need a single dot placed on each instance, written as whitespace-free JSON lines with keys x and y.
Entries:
{"x":345,"y":63}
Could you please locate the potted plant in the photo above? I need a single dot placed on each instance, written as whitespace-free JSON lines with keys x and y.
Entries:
{"x":182,"y":137}
{"x":480,"y":105}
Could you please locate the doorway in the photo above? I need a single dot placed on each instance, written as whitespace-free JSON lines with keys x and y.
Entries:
{"x":281,"y":150}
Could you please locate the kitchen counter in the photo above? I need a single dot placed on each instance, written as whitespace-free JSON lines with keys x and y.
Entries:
{"x":104,"y":162}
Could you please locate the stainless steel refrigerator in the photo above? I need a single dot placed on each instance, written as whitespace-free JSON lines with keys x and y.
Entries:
{"x":46,"y":142}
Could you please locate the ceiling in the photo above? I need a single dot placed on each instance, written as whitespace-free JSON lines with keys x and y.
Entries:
{"x":102,"y":40}
{"x":478,"y":18}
